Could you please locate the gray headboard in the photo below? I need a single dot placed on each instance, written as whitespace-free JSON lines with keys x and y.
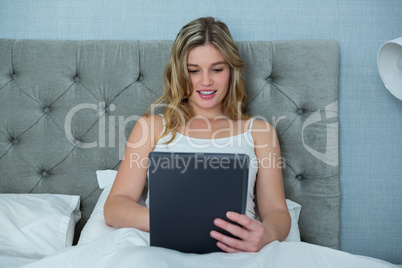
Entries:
{"x":66,"y":108}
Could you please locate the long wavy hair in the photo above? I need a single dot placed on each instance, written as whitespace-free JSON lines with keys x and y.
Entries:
{"x":177,"y":87}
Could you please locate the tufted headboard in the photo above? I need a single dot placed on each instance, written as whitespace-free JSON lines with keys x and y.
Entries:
{"x":67,"y":107}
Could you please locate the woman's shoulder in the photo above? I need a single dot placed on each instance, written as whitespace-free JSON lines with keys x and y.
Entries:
{"x":262,"y":131}
{"x":151,"y":124}
{"x":152,"y":118}
{"x":259,"y":124}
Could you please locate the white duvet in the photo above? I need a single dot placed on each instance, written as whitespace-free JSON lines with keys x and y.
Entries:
{"x":130,"y":248}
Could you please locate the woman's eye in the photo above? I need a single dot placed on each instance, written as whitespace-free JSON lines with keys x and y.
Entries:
{"x":192,"y":71}
{"x":217,"y":70}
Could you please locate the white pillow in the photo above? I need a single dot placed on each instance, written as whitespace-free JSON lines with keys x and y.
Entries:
{"x":96,"y":226}
{"x":35,"y":225}
{"x":294,"y":211}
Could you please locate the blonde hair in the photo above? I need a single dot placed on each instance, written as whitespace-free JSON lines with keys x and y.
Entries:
{"x":177,"y":81}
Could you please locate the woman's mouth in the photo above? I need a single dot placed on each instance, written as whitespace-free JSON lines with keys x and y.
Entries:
{"x":206,"y":94}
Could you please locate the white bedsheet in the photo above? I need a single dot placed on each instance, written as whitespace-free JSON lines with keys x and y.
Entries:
{"x":10,"y":261}
{"x":130,"y":248}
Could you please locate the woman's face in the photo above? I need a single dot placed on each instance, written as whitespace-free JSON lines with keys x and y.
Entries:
{"x":209,"y":74}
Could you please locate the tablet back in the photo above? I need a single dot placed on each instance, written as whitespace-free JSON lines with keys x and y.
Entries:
{"x":187,"y":191}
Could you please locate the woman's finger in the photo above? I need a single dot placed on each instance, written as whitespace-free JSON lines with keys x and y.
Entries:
{"x":234,"y":229}
{"x":231,"y":242}
{"x":241,"y":219}
{"x":226,"y":248}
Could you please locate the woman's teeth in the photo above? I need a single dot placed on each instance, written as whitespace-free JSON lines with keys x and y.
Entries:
{"x":206,"y":92}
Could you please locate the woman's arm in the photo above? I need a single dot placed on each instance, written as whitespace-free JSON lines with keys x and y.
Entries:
{"x":275,"y":219}
{"x":121,"y":208}
{"x":269,"y":185}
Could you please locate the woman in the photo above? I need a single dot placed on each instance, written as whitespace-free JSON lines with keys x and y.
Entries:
{"x":204,"y":96}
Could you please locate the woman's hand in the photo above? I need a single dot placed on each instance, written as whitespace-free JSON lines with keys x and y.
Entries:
{"x":253,"y":236}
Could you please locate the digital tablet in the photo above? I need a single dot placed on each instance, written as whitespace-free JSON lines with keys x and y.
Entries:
{"x":187,"y":191}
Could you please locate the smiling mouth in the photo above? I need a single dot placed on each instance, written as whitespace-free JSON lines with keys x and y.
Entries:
{"x":206,"y":92}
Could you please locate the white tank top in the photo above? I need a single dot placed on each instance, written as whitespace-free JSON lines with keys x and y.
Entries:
{"x":242,"y":143}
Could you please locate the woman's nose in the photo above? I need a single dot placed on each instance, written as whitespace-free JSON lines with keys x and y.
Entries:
{"x":206,"y":80}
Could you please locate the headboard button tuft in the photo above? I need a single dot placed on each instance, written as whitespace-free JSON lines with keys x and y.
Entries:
{"x":140,"y":77}
{"x":46,"y":109}
{"x":14,"y":140}
{"x":299,"y":177}
{"x":300,"y":111}
{"x":76,"y":78}
{"x":45,"y":173}
{"x":110,"y":108}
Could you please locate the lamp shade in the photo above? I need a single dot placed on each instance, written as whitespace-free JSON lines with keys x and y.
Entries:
{"x":389,"y":61}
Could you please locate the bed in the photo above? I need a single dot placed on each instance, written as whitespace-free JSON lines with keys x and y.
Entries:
{"x":67,"y":108}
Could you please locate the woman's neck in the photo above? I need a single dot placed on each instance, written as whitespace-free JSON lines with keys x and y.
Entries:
{"x":210,"y":114}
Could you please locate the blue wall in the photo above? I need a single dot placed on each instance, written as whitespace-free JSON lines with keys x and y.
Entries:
{"x":370,"y":117}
